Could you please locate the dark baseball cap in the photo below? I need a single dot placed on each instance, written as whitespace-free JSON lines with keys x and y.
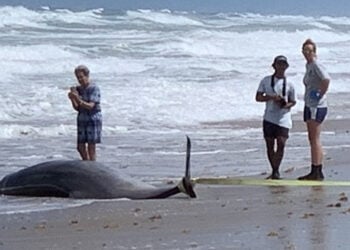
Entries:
{"x":280,"y":58}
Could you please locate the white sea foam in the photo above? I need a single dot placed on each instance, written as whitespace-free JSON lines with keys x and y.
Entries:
{"x":163,"y":17}
{"x":20,"y":17}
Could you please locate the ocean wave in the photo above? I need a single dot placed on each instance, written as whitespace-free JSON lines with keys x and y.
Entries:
{"x":155,"y":68}
{"x":165,"y":17}
{"x":21,"y":17}
{"x":48,"y":18}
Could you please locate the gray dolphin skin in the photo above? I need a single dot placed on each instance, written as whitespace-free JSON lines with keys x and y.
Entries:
{"x":87,"y":180}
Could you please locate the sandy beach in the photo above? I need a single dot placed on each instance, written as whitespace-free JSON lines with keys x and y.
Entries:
{"x":222,"y":217}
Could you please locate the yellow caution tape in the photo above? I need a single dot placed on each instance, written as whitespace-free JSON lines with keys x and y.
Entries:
{"x":264,"y":182}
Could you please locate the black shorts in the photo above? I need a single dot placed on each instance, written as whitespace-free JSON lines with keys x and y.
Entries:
{"x":272,"y":130}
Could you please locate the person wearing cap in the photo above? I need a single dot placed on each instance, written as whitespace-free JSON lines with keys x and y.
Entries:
{"x":279,"y":97}
{"x":85,"y":99}
{"x":316,"y":81}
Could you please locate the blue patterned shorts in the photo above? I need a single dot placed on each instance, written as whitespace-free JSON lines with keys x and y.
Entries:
{"x":89,"y":131}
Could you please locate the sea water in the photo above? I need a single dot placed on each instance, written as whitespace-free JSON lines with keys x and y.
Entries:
{"x":163,"y":74}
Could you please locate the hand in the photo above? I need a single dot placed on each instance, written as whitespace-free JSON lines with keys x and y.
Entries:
{"x":73,"y":95}
{"x":73,"y":89}
{"x":280,"y":101}
{"x":283,"y":103}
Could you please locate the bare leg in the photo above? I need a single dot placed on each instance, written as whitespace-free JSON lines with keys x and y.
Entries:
{"x":92,"y":151}
{"x":314,"y":132}
{"x":271,"y":154}
{"x":270,"y":147}
{"x":83,"y":151}
{"x":281,"y":142}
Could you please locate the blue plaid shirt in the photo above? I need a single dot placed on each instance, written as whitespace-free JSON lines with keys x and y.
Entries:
{"x":90,"y":94}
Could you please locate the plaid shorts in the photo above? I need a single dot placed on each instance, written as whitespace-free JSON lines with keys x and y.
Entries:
{"x":89,"y":131}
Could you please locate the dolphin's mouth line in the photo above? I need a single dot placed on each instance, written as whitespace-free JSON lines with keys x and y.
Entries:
{"x":35,"y":190}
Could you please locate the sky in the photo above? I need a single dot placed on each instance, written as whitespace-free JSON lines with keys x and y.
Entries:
{"x":304,"y":7}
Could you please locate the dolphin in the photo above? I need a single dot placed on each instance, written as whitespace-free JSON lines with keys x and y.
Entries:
{"x":88,"y":180}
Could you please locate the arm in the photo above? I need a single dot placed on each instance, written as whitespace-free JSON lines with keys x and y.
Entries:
{"x":86,"y":105}
{"x":289,"y":104}
{"x":291,"y":98}
{"x":94,"y":98}
{"x":74,"y":100}
{"x":323,"y":74}
{"x":77,"y":102}
{"x":324,"y":86}
{"x":263,"y":97}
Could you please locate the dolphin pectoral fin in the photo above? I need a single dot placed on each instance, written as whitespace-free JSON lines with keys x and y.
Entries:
{"x":186,"y":186}
{"x":188,"y":156}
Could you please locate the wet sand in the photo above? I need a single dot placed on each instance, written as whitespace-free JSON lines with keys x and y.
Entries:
{"x":222,"y":217}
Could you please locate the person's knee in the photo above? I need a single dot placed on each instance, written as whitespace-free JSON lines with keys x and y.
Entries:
{"x":281,"y":141}
{"x":314,"y":139}
{"x":81,"y":148}
{"x":91,"y":147}
{"x":315,"y":144}
{"x":92,"y":151}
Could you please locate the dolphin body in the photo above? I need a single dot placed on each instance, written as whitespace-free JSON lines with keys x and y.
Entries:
{"x":87,"y":180}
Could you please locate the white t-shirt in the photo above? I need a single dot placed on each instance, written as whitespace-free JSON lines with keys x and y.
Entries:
{"x":273,"y":112}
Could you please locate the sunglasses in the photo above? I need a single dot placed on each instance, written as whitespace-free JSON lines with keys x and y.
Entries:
{"x":307,"y":50}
